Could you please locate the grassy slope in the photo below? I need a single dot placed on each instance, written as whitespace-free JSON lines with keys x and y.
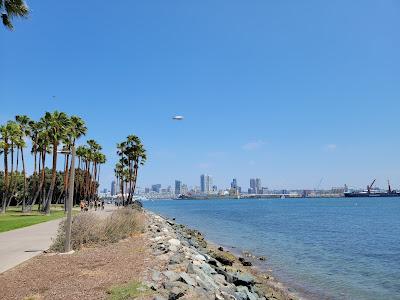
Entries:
{"x":14,"y":219}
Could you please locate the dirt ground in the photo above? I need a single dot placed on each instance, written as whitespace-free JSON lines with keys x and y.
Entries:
{"x":86,"y":274}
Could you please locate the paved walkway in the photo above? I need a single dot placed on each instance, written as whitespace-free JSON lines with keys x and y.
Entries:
{"x":19,"y":245}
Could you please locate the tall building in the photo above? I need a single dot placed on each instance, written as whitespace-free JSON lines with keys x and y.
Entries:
{"x":206,"y":183}
{"x":178,"y":187}
{"x":184,"y":189}
{"x":252,"y":189}
{"x":156,"y":188}
{"x":113,"y":188}
{"x":234,"y":184}
{"x":258,"y":186}
{"x":203,"y":183}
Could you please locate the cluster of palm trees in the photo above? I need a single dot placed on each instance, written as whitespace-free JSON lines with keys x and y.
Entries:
{"x":132,"y":155}
{"x":10,"y":9}
{"x":55,"y":132}
{"x":90,"y":157}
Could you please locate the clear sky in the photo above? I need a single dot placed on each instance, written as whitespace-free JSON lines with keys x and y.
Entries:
{"x":288,"y":91}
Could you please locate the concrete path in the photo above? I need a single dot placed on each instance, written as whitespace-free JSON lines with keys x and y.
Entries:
{"x":19,"y":245}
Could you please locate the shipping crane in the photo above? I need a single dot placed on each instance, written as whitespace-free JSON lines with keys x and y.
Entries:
{"x":369,"y":187}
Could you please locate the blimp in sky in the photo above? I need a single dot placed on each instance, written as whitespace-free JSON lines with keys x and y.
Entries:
{"x":178,"y":118}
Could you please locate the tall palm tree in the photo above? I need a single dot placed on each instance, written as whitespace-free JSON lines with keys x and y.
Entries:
{"x":56,"y":125}
{"x":43,"y":146}
{"x":34,"y":129}
{"x":25,"y":130}
{"x":140,"y":158}
{"x":14,"y":134}
{"x":76,"y":129}
{"x":4,"y":140}
{"x":12,"y":8}
{"x":132,"y":155}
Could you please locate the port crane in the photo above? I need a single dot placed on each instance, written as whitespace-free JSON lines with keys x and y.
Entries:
{"x":369,"y":187}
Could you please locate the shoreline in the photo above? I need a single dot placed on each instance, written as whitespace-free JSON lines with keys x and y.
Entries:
{"x":259,"y":285}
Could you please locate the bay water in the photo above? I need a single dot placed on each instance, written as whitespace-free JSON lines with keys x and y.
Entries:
{"x":333,"y":248}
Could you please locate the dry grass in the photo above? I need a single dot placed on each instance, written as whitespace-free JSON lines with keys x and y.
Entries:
{"x":89,"y":229}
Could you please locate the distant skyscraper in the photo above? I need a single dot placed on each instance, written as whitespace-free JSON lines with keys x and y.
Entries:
{"x":113,"y":188}
{"x":258,"y":186}
{"x":203,"y":183}
{"x":206,"y":183}
{"x":184,"y":189}
{"x":178,"y":187}
{"x":156,"y":188}
{"x":234,"y":184}
{"x":252,"y":189}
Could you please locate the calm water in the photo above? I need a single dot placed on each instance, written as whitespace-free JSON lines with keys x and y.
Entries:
{"x":324,"y":248}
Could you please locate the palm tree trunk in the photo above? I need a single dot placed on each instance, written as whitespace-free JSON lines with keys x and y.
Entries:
{"x":24,"y":174}
{"x":13,"y":186}
{"x":42,"y":179}
{"x":53,"y":180}
{"x":5,"y":190}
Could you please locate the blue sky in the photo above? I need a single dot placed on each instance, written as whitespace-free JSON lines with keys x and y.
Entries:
{"x":288,"y":91}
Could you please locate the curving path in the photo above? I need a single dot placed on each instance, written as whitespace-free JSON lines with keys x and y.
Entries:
{"x":19,"y":245}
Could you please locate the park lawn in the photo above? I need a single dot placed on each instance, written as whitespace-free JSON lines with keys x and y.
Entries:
{"x":14,"y":218}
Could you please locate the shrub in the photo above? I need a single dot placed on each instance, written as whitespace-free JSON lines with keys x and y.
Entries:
{"x":89,"y":229}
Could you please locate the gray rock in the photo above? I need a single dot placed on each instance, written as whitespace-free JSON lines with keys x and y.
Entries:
{"x":176,"y":289}
{"x":219,"y":279}
{"x":207,"y":269}
{"x":242,"y":289}
{"x":187,"y":279}
{"x":240,"y":296}
{"x":175,"y":259}
{"x":174,"y":242}
{"x":229,"y":289}
{"x":227,"y":296}
{"x":171,"y":276}
{"x":252,"y":296}
{"x":158,"y":297}
{"x":199,"y":257}
{"x":156,"y":276}
{"x":175,"y":294}
{"x":173,"y":248}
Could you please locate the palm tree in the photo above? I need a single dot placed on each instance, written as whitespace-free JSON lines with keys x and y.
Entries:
{"x":56,"y":125}
{"x":76,"y":129}
{"x":14,"y":135}
{"x":4,"y":140}
{"x":140,"y":158}
{"x":34,"y":129}
{"x":132,"y":155}
{"x":42,"y":148}
{"x":25,"y":130}
{"x":11,"y":9}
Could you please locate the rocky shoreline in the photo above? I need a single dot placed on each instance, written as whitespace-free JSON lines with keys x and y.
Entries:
{"x":191,"y":268}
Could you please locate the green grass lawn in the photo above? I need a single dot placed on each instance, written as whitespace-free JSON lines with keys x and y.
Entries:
{"x":14,"y":218}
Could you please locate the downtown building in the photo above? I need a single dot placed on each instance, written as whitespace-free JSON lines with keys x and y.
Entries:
{"x":206,"y":184}
{"x":255,"y":186}
{"x":178,"y":187}
{"x":113,"y":188}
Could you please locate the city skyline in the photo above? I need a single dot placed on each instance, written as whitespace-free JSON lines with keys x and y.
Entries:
{"x":287,"y":93}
